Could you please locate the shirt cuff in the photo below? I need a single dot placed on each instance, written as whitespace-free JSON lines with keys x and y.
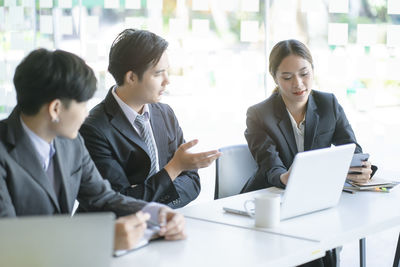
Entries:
{"x":153,"y":209}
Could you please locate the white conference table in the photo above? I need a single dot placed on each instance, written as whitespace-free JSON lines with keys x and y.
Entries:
{"x":213,"y":244}
{"x":356,"y":216}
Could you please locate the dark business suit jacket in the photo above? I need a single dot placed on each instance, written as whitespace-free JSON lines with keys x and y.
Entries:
{"x":271,"y":139}
{"x":26,"y":190}
{"x":123,"y":158}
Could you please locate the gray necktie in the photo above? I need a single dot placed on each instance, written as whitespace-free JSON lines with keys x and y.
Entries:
{"x":144,"y":130}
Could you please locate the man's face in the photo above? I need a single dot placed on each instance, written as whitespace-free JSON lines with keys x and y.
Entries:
{"x":154,"y":81}
{"x":71,"y":119}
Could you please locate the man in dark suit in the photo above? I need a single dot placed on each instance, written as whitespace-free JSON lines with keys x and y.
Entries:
{"x":44,"y":165}
{"x":135,"y":141}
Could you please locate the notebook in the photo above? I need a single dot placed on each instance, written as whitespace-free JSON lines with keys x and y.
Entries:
{"x":59,"y":240}
{"x":315,"y":182}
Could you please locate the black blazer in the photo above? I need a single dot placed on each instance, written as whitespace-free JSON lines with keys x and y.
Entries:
{"x":271,"y":139}
{"x":26,"y":190}
{"x":122,"y":157}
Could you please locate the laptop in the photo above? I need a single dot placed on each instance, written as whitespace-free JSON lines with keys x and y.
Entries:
{"x":60,"y":240}
{"x":315,"y":181}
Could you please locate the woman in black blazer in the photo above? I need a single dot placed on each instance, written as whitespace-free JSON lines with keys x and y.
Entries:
{"x":293,"y":119}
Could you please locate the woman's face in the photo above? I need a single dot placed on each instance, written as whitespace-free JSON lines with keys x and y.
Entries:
{"x":294,"y":78}
{"x":71,"y":119}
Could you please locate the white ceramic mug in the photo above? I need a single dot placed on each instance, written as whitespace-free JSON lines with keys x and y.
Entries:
{"x":266,"y":210}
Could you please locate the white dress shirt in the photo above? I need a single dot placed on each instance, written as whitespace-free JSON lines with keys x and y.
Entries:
{"x":298,"y":132}
{"x":43,"y":149}
{"x":131,"y":116}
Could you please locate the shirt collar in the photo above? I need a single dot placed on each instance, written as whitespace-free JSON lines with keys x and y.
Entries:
{"x":129,"y":112}
{"x":294,"y":123}
{"x":43,"y":149}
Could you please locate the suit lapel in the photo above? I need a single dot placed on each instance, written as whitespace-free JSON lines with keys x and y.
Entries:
{"x":285,"y":125}
{"x":62,"y":157}
{"x":25,"y":155}
{"x":312,"y":120}
{"x":121,"y":123}
{"x":158,"y":127}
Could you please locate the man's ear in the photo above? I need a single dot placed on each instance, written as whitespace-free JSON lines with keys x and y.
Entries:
{"x":130,"y":77}
{"x":54,"y":109}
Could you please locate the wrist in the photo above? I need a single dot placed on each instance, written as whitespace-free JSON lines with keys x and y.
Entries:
{"x":284,"y":178}
{"x":172,"y":169}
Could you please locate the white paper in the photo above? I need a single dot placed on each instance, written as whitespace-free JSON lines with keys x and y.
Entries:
{"x":2,"y":71}
{"x":2,"y":21}
{"x":393,"y":6}
{"x":366,"y":67}
{"x":46,"y":3}
{"x":92,"y":24}
{"x":133,"y":4}
{"x":155,"y":4}
{"x":66,"y":25}
{"x":156,"y":25}
{"x":16,"y":17}
{"x":200,"y":5}
{"x":393,"y":66}
{"x":65,"y":3}
{"x":393,"y":36}
{"x":111,"y":3}
{"x":338,"y":33}
{"x":10,"y":3}
{"x":46,"y":24}
{"x":367,"y":34}
{"x":309,"y":6}
{"x":92,"y":52}
{"x":28,"y":3}
{"x":200,"y":27}
{"x":17,"y":40}
{"x":338,"y":6}
{"x":251,"y":5}
{"x":229,"y":5}
{"x":177,"y":27}
{"x":249,"y":31}
{"x":135,"y":22}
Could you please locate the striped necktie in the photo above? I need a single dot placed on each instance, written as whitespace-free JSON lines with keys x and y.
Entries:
{"x":144,"y":130}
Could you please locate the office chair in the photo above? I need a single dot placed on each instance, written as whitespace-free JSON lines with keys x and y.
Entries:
{"x":233,"y":168}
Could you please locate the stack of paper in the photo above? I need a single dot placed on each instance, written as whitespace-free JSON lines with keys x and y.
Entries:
{"x":376,"y":184}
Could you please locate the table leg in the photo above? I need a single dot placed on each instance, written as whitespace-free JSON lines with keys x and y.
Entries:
{"x":362,"y":253}
{"x":396,"y":262}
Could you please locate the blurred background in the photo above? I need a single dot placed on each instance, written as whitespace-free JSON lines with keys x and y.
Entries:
{"x":219,"y":60}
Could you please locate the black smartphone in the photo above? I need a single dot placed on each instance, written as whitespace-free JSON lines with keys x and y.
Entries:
{"x":358,"y":159}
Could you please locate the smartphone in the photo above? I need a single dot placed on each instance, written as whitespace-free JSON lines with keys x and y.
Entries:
{"x":358,"y":159}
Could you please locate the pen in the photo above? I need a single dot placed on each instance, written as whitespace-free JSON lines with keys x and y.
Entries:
{"x":348,"y":191}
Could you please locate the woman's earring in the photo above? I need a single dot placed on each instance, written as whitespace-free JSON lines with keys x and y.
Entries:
{"x":55,"y":120}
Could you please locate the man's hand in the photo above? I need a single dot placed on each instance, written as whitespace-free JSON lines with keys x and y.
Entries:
{"x":183,"y":160}
{"x":285,"y":176}
{"x":129,"y":229}
{"x":363,"y":173}
{"x":172,"y":224}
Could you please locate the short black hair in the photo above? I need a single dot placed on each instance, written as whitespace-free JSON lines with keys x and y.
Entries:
{"x":45,"y":75}
{"x":134,"y":50}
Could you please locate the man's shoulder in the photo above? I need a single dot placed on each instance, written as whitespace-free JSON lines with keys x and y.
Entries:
{"x":97,"y":115}
{"x":161,"y":107}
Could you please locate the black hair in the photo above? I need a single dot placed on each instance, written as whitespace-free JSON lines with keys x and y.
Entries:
{"x":44,"y":75}
{"x":134,"y":50}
